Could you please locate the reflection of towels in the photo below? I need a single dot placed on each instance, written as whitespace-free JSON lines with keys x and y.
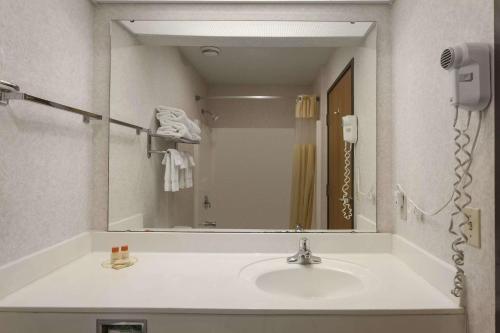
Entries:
{"x":167,"y":113}
{"x":172,"y":161}
{"x":186,"y":171}
{"x":177,"y":130}
{"x":189,"y":170}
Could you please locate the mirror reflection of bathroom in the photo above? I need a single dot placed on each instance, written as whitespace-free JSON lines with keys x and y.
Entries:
{"x":242,"y":125}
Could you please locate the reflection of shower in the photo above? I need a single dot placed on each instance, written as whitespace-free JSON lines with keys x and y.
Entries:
{"x":209,"y":114}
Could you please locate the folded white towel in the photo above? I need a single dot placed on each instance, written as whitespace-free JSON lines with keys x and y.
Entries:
{"x":168,"y":113}
{"x":177,"y":130}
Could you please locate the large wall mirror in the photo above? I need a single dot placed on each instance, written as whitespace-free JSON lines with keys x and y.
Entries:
{"x":242,"y":126}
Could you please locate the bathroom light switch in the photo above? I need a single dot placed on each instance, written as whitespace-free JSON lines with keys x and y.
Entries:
{"x":473,"y":231}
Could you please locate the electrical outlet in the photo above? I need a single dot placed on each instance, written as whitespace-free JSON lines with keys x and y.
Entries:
{"x":473,"y":232}
{"x":400,"y":204}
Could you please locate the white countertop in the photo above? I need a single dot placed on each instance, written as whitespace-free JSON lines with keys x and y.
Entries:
{"x":162,"y":282}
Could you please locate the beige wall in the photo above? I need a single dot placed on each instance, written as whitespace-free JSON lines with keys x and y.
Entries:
{"x":423,"y":136}
{"x":143,"y":77}
{"x":328,"y":12}
{"x":251,"y":157}
{"x":46,"y":155}
{"x":365,"y":150}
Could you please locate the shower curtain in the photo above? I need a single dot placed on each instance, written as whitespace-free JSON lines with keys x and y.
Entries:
{"x":304,"y":162}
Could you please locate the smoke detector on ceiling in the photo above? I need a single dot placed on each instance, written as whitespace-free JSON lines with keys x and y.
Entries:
{"x":210,"y":51}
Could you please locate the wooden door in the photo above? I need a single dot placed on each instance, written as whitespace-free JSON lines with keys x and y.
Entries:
{"x":340,"y":103}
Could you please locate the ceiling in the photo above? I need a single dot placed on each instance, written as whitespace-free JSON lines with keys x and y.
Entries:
{"x":259,"y":65}
{"x":249,"y":33}
{"x":253,"y":52}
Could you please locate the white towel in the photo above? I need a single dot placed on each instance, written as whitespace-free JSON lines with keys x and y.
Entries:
{"x":189,"y":170}
{"x":182,"y":170}
{"x":177,"y":130}
{"x":186,"y":171}
{"x":168,"y":113}
{"x":172,"y":161}
{"x":167,"y":183}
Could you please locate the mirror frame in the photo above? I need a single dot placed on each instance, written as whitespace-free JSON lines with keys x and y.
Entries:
{"x":249,"y":231}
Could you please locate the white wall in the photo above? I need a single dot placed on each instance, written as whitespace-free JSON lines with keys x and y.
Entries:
{"x":251,"y":157}
{"x":143,"y":77}
{"x":252,"y":177}
{"x":330,"y":12}
{"x":423,"y":136}
{"x":46,"y":155}
{"x":365,"y":150}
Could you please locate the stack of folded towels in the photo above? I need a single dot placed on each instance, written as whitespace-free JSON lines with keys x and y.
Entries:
{"x":178,"y":170}
{"x":175,"y":123}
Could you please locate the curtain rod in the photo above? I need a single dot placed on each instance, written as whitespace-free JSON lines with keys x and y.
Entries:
{"x":198,"y":97}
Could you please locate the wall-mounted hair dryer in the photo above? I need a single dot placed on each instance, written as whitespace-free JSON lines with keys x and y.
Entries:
{"x":470,"y":75}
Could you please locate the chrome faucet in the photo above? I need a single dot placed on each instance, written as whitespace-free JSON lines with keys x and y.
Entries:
{"x":304,"y":255}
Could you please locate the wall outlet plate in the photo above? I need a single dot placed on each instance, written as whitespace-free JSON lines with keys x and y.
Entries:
{"x":399,"y":201}
{"x":473,"y":232}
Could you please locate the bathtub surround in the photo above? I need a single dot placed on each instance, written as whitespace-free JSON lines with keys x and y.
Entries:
{"x":423,"y":137}
{"x":250,"y":132}
{"x":46,"y":156}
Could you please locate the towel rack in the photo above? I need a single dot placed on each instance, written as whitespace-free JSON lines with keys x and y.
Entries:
{"x":168,"y":138}
{"x":10,"y":91}
{"x":138,"y":129}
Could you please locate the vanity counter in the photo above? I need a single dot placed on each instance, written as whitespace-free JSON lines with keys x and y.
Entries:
{"x":211,"y":283}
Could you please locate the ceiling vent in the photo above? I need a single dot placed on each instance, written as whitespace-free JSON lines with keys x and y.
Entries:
{"x":210,"y":51}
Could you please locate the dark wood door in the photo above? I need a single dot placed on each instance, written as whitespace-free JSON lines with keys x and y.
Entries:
{"x":340,"y":103}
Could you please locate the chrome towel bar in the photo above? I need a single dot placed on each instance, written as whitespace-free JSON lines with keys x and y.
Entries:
{"x":10,"y":91}
{"x":138,"y":129}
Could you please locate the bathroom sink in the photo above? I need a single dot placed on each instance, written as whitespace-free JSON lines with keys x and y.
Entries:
{"x":329,"y":279}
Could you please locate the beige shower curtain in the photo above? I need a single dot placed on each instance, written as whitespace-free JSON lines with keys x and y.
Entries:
{"x":304,"y":162}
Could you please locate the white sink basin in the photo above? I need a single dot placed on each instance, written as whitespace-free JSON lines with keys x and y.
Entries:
{"x":329,"y":279}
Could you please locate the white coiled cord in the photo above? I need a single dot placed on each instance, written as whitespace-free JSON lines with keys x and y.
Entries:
{"x":346,"y":203}
{"x":461,"y":198}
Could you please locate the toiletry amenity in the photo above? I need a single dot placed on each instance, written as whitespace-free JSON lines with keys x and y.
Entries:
{"x":124,"y":255}
{"x":115,"y":254}
{"x":120,"y":258}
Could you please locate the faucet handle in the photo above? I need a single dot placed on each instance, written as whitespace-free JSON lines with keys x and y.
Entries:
{"x":304,"y":244}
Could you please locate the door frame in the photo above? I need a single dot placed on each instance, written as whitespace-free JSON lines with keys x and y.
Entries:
{"x":349,"y":66}
{"x":496,"y":76}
